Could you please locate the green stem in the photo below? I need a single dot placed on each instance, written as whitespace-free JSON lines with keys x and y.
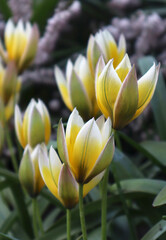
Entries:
{"x":68,"y":223}
{"x":35,"y":228}
{"x":10,"y":146}
{"x":39,"y":218}
{"x":82,"y":216}
{"x":104,"y":205}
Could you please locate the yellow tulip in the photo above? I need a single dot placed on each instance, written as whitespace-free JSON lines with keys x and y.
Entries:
{"x":60,"y":180}
{"x":29,"y":173}
{"x":21,"y":44}
{"x":119,"y":95}
{"x":35,"y":127}
{"x":86,"y":148}
{"x":78,"y":89}
{"x":103,"y":44}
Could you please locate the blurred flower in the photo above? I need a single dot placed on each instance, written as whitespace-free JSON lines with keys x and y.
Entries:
{"x":21,"y":44}
{"x":87,"y":148}
{"x":35,"y":127}
{"x":78,"y":89}
{"x":119,"y":95}
{"x":60,"y":180}
{"x":9,"y":82}
{"x":1,"y":136}
{"x":29,"y":173}
{"x":103,"y":44}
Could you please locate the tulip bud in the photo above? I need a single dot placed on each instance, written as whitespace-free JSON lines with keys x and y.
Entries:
{"x":21,"y":44}
{"x":35,"y":127}
{"x":78,"y":89}
{"x":9,"y":82}
{"x":29,"y":173}
{"x":103,"y":44}
{"x":119,"y":94}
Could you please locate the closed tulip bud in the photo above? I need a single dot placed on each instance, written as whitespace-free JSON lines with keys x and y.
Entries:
{"x":60,"y":180}
{"x":1,"y":136}
{"x":21,"y":44}
{"x":9,"y":82}
{"x":103,"y":44}
{"x":120,"y":95}
{"x":78,"y":89}
{"x":35,"y":127}
{"x":29,"y":173}
{"x":87,"y":148}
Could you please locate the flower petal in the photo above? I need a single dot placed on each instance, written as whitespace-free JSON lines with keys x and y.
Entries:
{"x":121,"y":47}
{"x":90,"y":185}
{"x":46,"y":173}
{"x":61,"y":143}
{"x":36,"y":131}
{"x":55,"y":165}
{"x":62,"y":86}
{"x":107,"y":88}
{"x":87,"y":148}
{"x":146,"y":87}
{"x":123,"y":68}
{"x":74,"y":124}
{"x":127,"y":101}
{"x":78,"y":95}
{"x":103,"y":160}
{"x":67,"y":187}
{"x":18,"y":125}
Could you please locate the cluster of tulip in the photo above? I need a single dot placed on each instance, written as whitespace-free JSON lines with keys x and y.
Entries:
{"x":21,"y":46}
{"x":103,"y":83}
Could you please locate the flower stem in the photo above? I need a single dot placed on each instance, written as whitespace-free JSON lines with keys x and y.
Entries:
{"x":104,"y":205}
{"x":10,"y":146}
{"x":82,"y":216}
{"x":68,"y":223}
{"x":39,"y":218}
{"x":35,"y":228}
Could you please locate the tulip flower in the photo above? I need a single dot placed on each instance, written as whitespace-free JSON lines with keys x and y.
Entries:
{"x":119,"y":95}
{"x":103,"y":44}
{"x":86,"y":148}
{"x":60,"y":180}
{"x":35,"y":127}
{"x":21,"y":44}
{"x":9,"y":82}
{"x":29,"y":173}
{"x":78,"y":89}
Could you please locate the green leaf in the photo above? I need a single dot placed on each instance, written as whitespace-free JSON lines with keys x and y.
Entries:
{"x":156,"y":231}
{"x":157,"y":149}
{"x":126,"y":168}
{"x":160,"y":198}
{"x":139,"y":187}
{"x":42,"y":11}
{"x":6,"y":237}
{"x":5,"y":10}
{"x":143,"y":150}
{"x":159,"y":99}
{"x":22,"y":209}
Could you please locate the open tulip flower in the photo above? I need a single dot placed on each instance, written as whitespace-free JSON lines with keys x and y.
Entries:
{"x":87,"y":148}
{"x":119,"y":95}
{"x":103,"y":44}
{"x":21,"y":44}
{"x":35,"y":127}
{"x":78,"y":89}
{"x":29,"y":173}
{"x":60,"y":180}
